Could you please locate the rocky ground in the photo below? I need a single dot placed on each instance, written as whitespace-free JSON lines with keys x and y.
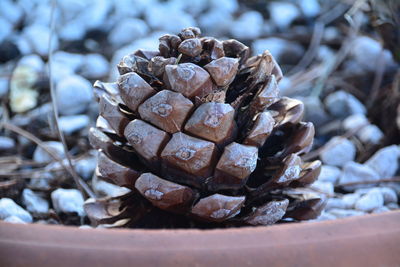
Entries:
{"x":338,"y":57}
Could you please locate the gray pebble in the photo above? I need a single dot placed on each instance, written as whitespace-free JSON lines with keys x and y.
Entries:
{"x":33,"y":202}
{"x":40,"y":155}
{"x":68,"y":201}
{"x":370,"y":201}
{"x":9,"y":208}
{"x":385,"y":161}
{"x":338,"y":151}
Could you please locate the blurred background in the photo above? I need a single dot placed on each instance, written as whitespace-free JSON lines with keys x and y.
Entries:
{"x":340,"y":57}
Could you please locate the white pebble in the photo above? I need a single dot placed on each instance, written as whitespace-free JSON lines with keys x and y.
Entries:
{"x":385,"y":161}
{"x":95,"y":66}
{"x":9,"y":208}
{"x":354,"y":172}
{"x":342,"y":104}
{"x":342,"y":213}
{"x":338,"y":151}
{"x":33,"y":202}
{"x":283,"y":13}
{"x":380,"y":210}
{"x":370,"y":201}
{"x":310,"y":8}
{"x":6,"y":143}
{"x":14,"y":219}
{"x":73,"y":123}
{"x":68,"y":201}
{"x":86,"y":166}
{"x":5,"y":29}
{"x":39,"y":36}
{"x":350,"y":200}
{"x":370,"y":134}
{"x":248,"y":25}
{"x":163,"y":17}
{"x":73,"y":95}
{"x":329,"y":174}
{"x":335,"y":203}
{"x":324,"y":187}
{"x":127,"y":30}
{"x":278,"y":47}
{"x":355,"y":121}
{"x":107,"y":189}
{"x":40,"y":155}
{"x":216,"y":22}
{"x":366,"y":50}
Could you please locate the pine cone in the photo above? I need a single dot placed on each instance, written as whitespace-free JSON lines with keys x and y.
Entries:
{"x":198,"y":132}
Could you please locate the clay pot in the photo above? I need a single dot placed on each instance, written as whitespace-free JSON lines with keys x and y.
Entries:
{"x":371,"y":240}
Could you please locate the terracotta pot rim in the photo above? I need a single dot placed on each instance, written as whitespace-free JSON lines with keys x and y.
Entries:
{"x":371,"y":240}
